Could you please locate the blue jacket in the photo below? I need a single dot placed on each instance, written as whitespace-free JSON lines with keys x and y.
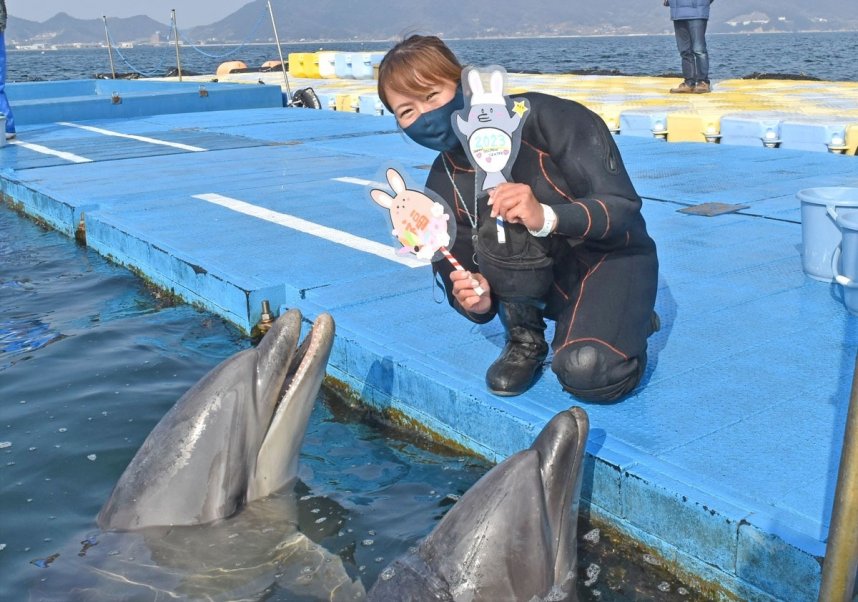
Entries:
{"x":681,"y":10}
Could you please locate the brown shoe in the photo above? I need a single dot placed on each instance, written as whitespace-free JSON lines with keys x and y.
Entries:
{"x":702,"y":88}
{"x":682,"y":88}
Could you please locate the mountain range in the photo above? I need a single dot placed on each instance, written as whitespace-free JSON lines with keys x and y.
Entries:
{"x":340,"y":20}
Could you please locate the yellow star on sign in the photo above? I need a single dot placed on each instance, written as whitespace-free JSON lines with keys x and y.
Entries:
{"x":519,"y":107}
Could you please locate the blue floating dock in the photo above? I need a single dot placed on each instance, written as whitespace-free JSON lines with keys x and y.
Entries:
{"x":77,"y":100}
{"x":724,"y":460}
{"x":803,"y":115}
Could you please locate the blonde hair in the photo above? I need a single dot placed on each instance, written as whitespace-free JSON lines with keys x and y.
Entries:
{"x":415,"y":64}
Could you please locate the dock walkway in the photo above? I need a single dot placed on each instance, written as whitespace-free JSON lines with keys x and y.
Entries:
{"x":724,"y":460}
{"x":790,"y":114}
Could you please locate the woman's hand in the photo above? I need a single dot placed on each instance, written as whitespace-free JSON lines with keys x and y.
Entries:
{"x":516,"y":204}
{"x":464,"y":284}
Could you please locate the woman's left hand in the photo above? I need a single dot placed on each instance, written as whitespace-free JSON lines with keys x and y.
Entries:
{"x":516,"y":204}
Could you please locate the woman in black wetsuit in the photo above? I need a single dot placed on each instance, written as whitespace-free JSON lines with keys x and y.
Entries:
{"x":577,"y":248}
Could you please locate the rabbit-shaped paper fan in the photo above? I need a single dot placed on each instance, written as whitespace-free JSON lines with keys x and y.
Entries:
{"x":423,"y":225}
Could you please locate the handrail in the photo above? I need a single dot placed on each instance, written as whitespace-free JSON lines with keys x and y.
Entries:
{"x":109,"y":51}
{"x":841,"y":553}
{"x":176,"y":31}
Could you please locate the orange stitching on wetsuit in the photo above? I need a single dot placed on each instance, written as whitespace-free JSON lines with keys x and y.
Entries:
{"x":456,"y":167}
{"x":548,"y":179}
{"x":607,"y":218}
{"x":589,"y":218}
{"x":581,"y":295}
{"x":530,"y":144}
{"x":594,"y":340}
{"x":561,"y":291}
{"x":542,"y":154}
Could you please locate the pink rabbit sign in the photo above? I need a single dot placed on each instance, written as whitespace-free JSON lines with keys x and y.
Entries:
{"x":423,"y":225}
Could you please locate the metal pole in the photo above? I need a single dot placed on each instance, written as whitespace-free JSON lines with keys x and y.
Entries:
{"x":280,"y":52}
{"x":841,"y":553}
{"x":109,"y":48}
{"x":176,"y":30}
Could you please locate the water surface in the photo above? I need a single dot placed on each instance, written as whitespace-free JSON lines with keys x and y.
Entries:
{"x":823,"y":55}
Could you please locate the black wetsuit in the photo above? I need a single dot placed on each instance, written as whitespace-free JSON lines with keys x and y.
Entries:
{"x":602,"y":263}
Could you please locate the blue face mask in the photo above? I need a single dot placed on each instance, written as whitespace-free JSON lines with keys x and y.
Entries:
{"x":435,"y":129}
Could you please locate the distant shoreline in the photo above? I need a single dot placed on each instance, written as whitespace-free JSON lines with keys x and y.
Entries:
{"x":391,"y":40}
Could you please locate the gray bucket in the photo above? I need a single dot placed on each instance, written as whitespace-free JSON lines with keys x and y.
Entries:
{"x":820,"y":234}
{"x":844,"y":262}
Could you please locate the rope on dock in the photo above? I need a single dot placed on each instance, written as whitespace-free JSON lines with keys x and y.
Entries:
{"x":159,"y":68}
{"x":244,"y":42}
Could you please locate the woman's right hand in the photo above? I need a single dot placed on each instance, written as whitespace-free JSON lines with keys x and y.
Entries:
{"x":464,"y":283}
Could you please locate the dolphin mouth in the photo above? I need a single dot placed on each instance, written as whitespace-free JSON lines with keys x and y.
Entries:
{"x":561,"y":447}
{"x":276,"y":462}
{"x":309,"y":359}
{"x":561,"y":443}
{"x":317,"y":342}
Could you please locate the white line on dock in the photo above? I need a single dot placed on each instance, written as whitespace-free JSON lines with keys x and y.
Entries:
{"x":360,"y":182}
{"x":89,"y":128}
{"x":49,"y":151}
{"x":307,"y":227}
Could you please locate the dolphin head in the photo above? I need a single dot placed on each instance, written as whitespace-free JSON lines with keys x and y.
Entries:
{"x":512,"y":536}
{"x":222,"y":443}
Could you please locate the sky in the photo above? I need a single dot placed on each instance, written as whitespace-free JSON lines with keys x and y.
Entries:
{"x":189,"y":13}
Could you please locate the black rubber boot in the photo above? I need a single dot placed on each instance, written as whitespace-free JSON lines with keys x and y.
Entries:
{"x":520,"y":362}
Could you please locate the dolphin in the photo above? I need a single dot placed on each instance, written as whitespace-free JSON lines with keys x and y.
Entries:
{"x":230,"y":439}
{"x":206,"y":509}
{"x":511,"y":536}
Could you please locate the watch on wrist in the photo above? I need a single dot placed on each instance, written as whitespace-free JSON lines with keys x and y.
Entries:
{"x":548,"y":225}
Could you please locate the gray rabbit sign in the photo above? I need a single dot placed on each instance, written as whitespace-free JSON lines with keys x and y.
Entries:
{"x":489,"y":125}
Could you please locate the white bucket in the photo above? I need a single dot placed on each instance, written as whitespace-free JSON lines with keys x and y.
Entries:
{"x":844,"y":263}
{"x":820,"y":233}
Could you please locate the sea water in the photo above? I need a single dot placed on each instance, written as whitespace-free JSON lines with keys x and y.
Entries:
{"x":91,"y":359}
{"x":823,"y":55}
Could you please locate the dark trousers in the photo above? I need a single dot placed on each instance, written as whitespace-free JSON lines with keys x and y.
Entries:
{"x":602,"y":324}
{"x":691,"y":42}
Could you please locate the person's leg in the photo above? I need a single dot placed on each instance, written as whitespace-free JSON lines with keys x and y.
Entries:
{"x":683,"y":44}
{"x":697,"y":33}
{"x":520,"y":362}
{"x":5,"y":109}
{"x":600,"y":339}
